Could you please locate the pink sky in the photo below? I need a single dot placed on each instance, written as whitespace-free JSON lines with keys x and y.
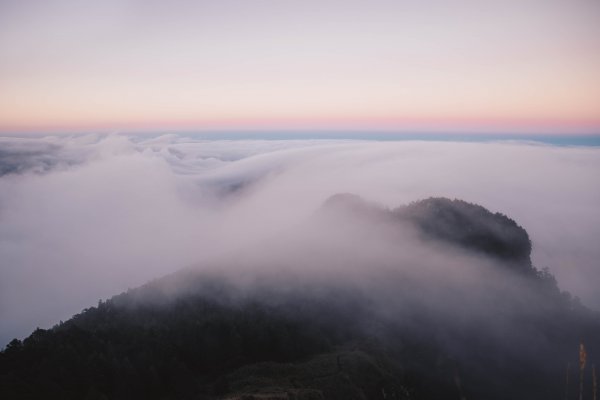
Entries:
{"x":518,"y":66}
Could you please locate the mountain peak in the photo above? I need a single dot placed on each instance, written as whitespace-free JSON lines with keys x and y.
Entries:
{"x":470,"y":226}
{"x":455,"y":222}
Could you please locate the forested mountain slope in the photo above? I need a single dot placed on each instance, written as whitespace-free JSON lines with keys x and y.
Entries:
{"x":436,"y":299}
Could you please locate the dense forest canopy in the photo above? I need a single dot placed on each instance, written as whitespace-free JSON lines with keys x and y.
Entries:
{"x":435,"y":299}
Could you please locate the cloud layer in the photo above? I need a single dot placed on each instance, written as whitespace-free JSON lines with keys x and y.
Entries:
{"x":83,"y":218}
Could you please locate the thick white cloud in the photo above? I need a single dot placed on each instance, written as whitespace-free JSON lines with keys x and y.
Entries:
{"x":84,"y":218}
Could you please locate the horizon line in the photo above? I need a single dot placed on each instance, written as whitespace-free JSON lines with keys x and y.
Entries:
{"x":554,"y":138}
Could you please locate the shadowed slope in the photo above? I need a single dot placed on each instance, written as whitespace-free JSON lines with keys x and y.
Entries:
{"x":373,"y":332}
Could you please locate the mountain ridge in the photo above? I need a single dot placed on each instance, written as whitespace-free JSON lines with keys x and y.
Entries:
{"x":392,"y":332}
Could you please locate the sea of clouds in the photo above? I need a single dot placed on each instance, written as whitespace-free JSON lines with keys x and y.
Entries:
{"x":85,"y":217}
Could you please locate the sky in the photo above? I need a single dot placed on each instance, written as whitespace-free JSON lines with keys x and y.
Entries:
{"x":131,"y":65}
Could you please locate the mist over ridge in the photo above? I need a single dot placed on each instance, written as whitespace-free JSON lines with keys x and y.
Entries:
{"x":429,"y":299}
{"x":83,"y":218}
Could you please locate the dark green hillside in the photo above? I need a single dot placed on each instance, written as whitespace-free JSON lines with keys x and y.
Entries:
{"x":455,"y":222}
{"x":199,"y":335}
{"x":139,"y":346}
{"x":470,"y":226}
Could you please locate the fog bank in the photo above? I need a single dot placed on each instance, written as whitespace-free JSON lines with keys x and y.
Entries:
{"x":86,"y":217}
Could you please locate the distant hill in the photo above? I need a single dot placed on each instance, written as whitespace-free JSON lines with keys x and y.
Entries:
{"x":470,"y":226}
{"x":456,"y":222}
{"x":505,"y":332}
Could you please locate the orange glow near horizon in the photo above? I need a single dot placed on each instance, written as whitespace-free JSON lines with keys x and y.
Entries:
{"x":124,"y":65}
{"x":392,"y":125}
